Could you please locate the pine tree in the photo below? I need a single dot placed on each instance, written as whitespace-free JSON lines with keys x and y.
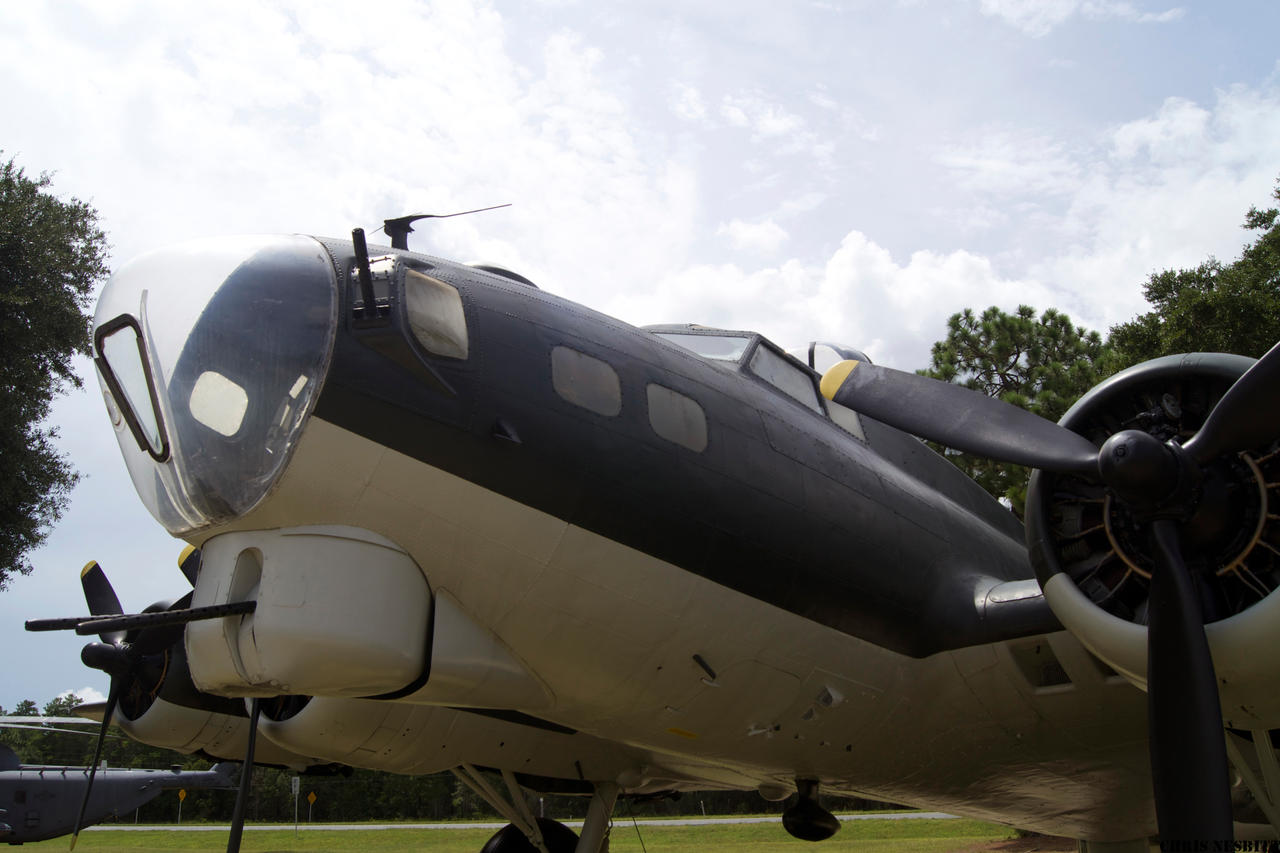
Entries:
{"x":1042,"y":364}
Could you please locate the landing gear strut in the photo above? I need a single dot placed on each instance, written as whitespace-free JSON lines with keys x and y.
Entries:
{"x":527,"y":834}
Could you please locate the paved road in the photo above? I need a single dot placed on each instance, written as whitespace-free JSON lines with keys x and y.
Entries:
{"x":339,"y":827}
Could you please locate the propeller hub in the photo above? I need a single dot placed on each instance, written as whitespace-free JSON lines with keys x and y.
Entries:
{"x":113,"y":660}
{"x":1139,"y":468}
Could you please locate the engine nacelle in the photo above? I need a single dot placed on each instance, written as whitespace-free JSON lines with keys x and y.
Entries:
{"x":1094,"y":562}
{"x":344,"y":612}
{"x":417,"y":739}
{"x":219,"y":735}
{"x":340,"y":611}
{"x":161,"y":706}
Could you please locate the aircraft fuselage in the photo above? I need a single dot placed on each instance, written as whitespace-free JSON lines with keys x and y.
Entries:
{"x":685,"y":562}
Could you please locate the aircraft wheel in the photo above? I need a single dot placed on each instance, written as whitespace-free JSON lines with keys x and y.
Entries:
{"x":559,"y":838}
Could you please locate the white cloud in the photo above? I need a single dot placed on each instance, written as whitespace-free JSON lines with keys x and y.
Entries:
{"x":687,"y":103}
{"x":1010,"y":161}
{"x":762,"y":237}
{"x":304,"y":122}
{"x":1176,"y":132}
{"x":859,"y":295}
{"x":801,"y":204}
{"x":88,"y":695}
{"x":1166,"y":191}
{"x":1039,"y":17}
{"x":772,"y":123}
{"x":764,"y":118}
{"x":1094,"y":217}
{"x":824,"y":101}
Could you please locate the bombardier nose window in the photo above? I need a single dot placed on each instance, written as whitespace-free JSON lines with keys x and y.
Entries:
{"x":218,"y":403}
{"x":214,"y":352}
{"x":122,"y":360}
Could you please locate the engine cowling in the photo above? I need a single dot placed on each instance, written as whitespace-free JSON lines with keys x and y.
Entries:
{"x":160,"y":706}
{"x":210,"y":733}
{"x":416,"y":739}
{"x":1093,"y":560}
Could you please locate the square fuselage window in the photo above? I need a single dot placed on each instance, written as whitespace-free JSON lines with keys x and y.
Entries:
{"x":586,"y":381}
{"x":677,"y":418}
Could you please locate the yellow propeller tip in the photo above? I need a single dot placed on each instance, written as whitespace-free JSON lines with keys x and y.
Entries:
{"x":88,"y":567}
{"x":835,"y":377}
{"x":186,"y":552}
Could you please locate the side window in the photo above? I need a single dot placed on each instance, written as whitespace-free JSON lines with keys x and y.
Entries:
{"x":124,"y":366}
{"x":586,"y":381}
{"x":435,"y":315}
{"x":847,"y":419}
{"x":785,"y":376}
{"x":677,"y":418}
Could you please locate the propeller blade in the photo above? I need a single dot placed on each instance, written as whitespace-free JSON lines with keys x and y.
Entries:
{"x":189,"y":563}
{"x":101,"y":598}
{"x":246,"y":777}
{"x":113,"y":696}
{"x":150,"y":640}
{"x":1247,"y":416}
{"x":1188,"y":748}
{"x":959,"y":417}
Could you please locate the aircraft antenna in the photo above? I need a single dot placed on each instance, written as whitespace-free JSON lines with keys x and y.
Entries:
{"x":400,"y":228}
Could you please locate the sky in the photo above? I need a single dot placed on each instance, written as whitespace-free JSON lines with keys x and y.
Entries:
{"x":847,"y":171}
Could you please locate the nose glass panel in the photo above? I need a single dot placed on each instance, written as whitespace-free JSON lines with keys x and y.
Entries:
{"x":236,"y":337}
{"x":125,"y":357}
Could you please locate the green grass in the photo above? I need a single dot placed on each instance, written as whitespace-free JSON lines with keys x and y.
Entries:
{"x":869,"y":835}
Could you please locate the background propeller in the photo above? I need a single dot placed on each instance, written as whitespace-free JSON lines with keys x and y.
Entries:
{"x":102,"y":601}
{"x":1159,"y":483}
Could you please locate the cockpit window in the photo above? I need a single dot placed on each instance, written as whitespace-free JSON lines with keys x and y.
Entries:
{"x":785,"y":376}
{"x":436,"y":315}
{"x":124,"y":367}
{"x":719,"y":347}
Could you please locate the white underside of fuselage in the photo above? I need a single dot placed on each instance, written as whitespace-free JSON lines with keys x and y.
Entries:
{"x":612,"y":633}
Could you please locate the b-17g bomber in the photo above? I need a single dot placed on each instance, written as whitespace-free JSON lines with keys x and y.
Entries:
{"x":442,"y":519}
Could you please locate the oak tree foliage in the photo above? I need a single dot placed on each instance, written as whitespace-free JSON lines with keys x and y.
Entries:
{"x":52,"y":257}
{"x":1039,"y":363}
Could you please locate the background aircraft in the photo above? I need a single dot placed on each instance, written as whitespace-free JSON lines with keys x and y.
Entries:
{"x":449,"y":520}
{"x":39,"y":801}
